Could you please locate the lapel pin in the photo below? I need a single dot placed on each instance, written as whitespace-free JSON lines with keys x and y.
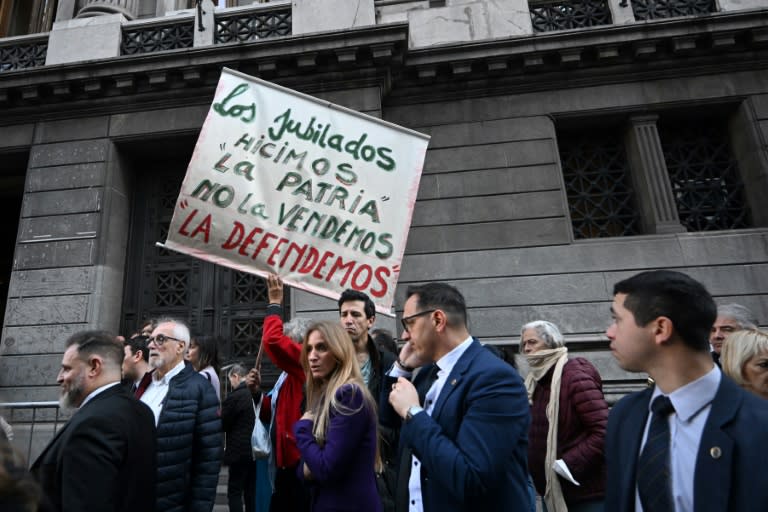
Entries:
{"x":453,"y":382}
{"x":715,"y":452}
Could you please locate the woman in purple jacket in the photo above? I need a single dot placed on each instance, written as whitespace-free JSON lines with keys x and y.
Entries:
{"x":337,"y":436}
{"x":568,"y":419}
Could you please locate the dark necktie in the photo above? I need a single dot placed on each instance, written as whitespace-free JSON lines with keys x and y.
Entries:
{"x":654,"y":478}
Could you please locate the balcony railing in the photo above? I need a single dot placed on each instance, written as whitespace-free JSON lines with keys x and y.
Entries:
{"x":34,"y":424}
{"x":242,"y":26}
{"x":568,"y":14}
{"x":158,"y":36}
{"x":655,"y":9}
{"x":23,"y":52}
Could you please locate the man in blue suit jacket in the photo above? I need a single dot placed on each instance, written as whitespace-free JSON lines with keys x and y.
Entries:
{"x":661,"y":322}
{"x":464,"y":445}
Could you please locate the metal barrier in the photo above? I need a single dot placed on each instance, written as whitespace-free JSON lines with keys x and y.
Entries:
{"x":25,"y":417}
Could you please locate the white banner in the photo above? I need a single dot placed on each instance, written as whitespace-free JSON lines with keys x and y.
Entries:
{"x":284,"y":183}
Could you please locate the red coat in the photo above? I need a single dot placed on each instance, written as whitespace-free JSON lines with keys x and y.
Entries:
{"x":285,"y":353}
{"x":581,"y":431}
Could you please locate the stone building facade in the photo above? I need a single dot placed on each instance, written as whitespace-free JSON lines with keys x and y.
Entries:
{"x":574,"y":143}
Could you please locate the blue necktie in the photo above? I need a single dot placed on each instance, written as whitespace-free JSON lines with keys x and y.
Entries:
{"x":654,"y":477}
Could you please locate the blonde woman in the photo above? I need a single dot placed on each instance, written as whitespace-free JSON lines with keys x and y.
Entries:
{"x":745,"y":359}
{"x":337,"y":436}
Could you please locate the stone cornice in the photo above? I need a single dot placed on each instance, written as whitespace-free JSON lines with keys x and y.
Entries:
{"x":714,"y":43}
{"x":305,"y":59}
{"x":644,"y":50}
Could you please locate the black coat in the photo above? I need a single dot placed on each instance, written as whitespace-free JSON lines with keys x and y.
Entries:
{"x":237,"y":419}
{"x":103,"y":459}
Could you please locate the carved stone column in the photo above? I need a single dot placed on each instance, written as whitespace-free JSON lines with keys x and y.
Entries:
{"x":128,"y":8}
{"x":650,"y":178}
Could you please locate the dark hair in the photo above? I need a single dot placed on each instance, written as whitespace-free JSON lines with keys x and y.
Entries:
{"x":100,"y":343}
{"x":441,"y":296}
{"x":349,"y":295}
{"x":384,"y":340}
{"x":676,"y":296}
{"x":208,"y":350}
{"x":137,"y":343}
{"x":502,"y":354}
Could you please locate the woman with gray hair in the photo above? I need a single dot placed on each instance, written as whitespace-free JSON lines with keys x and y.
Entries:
{"x":568,"y":419}
{"x":745,"y":360}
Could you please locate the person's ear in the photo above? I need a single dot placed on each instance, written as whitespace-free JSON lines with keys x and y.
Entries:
{"x":95,"y":365}
{"x":663,"y":330}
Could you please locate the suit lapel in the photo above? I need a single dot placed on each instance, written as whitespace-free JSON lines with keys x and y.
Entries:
{"x":715,"y":456}
{"x":456,"y":376}
{"x":634,"y":423}
{"x":106,"y":393}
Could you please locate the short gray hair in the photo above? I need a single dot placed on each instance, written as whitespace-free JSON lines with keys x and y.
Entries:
{"x":547,"y":331}
{"x":180,"y":329}
{"x":238,"y":369}
{"x":742,"y":315}
{"x":297,"y":328}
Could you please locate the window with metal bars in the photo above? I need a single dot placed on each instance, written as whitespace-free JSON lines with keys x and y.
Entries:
{"x":704,"y":175}
{"x":597,"y":182}
{"x":705,"y":181}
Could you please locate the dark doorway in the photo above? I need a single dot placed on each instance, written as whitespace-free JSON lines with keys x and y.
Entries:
{"x":12,"y":174}
{"x":212,"y":299}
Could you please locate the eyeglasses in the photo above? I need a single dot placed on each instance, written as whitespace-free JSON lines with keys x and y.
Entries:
{"x":160,"y":339}
{"x":408,"y":320}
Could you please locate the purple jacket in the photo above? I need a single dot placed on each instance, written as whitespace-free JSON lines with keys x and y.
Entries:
{"x":342,"y":469}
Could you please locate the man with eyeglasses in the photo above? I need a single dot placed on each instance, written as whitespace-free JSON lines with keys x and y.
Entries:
{"x":464,"y":417}
{"x":189,"y":439}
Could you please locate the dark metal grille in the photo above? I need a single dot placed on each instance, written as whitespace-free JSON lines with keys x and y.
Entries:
{"x":248,"y":288}
{"x":167,"y":195}
{"x":246,"y":336}
{"x":598,"y":185}
{"x":705,"y":178}
{"x":171,"y":289}
{"x":655,"y":9}
{"x":252,"y":25}
{"x":157,"y":38}
{"x":565,"y":14}
{"x":20,"y":56}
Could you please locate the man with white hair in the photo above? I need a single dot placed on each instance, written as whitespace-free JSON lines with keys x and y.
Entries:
{"x":189,"y":440}
{"x":730,"y":318}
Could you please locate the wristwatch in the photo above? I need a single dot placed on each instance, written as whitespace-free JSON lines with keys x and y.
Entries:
{"x":413,"y":411}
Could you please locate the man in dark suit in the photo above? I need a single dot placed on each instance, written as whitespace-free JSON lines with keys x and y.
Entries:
{"x":696,"y":441}
{"x":466,"y":414}
{"x":103,"y":458}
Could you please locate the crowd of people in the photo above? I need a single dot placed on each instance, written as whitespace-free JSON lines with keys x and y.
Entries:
{"x":442,"y":423}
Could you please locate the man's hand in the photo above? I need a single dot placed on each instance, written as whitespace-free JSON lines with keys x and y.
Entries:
{"x":409,"y":358}
{"x":274,"y":289}
{"x":403,"y":396}
{"x":253,"y":381}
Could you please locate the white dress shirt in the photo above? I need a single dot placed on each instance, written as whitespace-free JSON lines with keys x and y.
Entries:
{"x":692,"y":404}
{"x":97,"y":391}
{"x":154,"y":396}
{"x":446,"y":364}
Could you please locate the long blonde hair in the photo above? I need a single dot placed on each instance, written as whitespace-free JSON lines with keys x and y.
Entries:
{"x":321,"y":395}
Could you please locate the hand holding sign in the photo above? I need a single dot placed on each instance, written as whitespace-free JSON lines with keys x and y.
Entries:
{"x":285,"y":184}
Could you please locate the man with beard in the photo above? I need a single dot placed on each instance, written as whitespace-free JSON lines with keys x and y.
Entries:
{"x":186,"y":409}
{"x":103,"y":459}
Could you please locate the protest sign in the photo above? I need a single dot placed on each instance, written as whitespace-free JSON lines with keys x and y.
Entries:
{"x":281,"y":182}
